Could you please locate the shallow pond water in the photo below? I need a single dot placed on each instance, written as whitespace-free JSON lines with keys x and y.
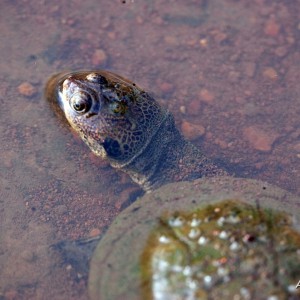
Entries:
{"x":228,"y":70}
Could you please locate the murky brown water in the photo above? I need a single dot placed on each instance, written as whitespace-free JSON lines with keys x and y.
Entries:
{"x":228,"y":70}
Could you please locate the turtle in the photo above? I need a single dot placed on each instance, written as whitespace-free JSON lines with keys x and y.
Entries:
{"x":199,"y":232}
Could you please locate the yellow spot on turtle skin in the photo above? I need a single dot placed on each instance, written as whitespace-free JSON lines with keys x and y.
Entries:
{"x":119,"y":108}
{"x":232,"y":255}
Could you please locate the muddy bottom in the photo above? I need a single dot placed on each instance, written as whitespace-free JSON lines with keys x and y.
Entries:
{"x":227,"y":70}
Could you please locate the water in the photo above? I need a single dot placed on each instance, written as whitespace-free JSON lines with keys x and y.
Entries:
{"x":229,"y":71}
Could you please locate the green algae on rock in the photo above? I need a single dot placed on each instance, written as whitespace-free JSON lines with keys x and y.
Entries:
{"x":187,"y":239}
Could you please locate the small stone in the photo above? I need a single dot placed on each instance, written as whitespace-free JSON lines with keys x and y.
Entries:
{"x":10,"y":295}
{"x":235,"y":246}
{"x":139,"y":20}
{"x":206,"y":96}
{"x":60,"y":209}
{"x":99,"y":57}
{"x":249,"y":69}
{"x":191,"y":42}
{"x":233,"y":76}
{"x":223,"y":235}
{"x":105,"y":22}
{"x":112,"y":35}
{"x":235,"y":57}
{"x":157,"y":20}
{"x":27,"y":255}
{"x":194,"y":233}
{"x":203,"y":42}
{"x":27,"y":89}
{"x":202,"y":240}
{"x":297,"y":147}
{"x":182,"y":109}
{"x":164,"y":239}
{"x":192,"y":131}
{"x":270,"y":73}
{"x":219,"y":36}
{"x":221,"y":143}
{"x":291,"y":40}
{"x":176,"y":221}
{"x":69,"y":267}
{"x":281,"y":51}
{"x":166,"y":87}
{"x":171,"y":40}
{"x":259,"y":139}
{"x":94,"y":232}
{"x":194,"y":107}
{"x":271,"y":28}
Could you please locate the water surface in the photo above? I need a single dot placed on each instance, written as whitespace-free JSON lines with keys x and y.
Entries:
{"x":228,"y":70}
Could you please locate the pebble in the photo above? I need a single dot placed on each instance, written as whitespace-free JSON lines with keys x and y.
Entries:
{"x":281,"y":51}
{"x":221,"y":143}
{"x":219,"y":36}
{"x":291,"y":40}
{"x":206,"y":96}
{"x":194,"y":107}
{"x":203,"y":43}
{"x":60,"y":209}
{"x":27,"y":255}
{"x":112,"y":35}
{"x":234,"y":76}
{"x":10,"y":295}
{"x":297,"y":147}
{"x":182,"y":109}
{"x":27,"y":89}
{"x":105,"y":22}
{"x":191,"y":42}
{"x":270,"y":73}
{"x":271,"y":28}
{"x":94,"y":232}
{"x":249,"y":69}
{"x":139,"y":20}
{"x":192,"y":131}
{"x":171,"y":40}
{"x":9,"y":158}
{"x":259,"y":139}
{"x":99,"y":57}
{"x":166,"y":87}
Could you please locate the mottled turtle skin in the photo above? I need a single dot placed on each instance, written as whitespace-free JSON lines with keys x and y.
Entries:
{"x":123,"y":124}
{"x":182,"y":244}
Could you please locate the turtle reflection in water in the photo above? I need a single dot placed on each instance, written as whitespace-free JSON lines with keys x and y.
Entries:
{"x":123,"y":124}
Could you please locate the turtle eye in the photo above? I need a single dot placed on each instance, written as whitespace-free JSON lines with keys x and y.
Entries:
{"x":81,"y":103}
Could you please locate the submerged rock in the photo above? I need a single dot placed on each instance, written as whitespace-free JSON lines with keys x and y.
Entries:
{"x":219,"y":238}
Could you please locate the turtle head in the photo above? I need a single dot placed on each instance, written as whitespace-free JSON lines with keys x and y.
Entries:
{"x":114,"y":117}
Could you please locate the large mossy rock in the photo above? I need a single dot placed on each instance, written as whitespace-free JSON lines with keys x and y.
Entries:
{"x":217,"y":238}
